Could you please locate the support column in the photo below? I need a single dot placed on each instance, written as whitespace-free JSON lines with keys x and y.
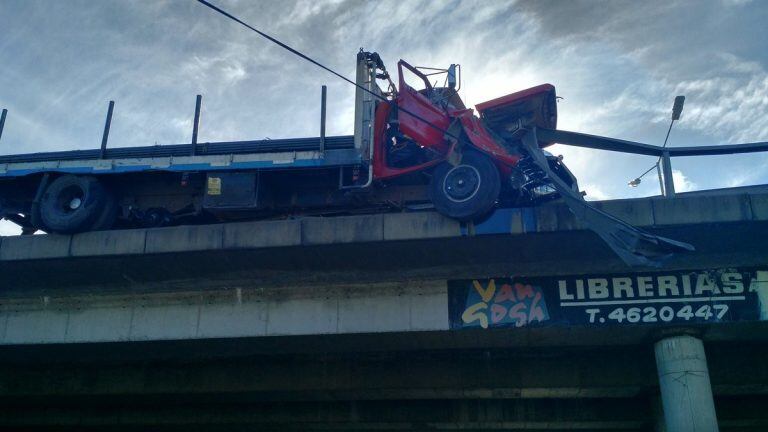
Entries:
{"x":657,"y":411}
{"x":686,"y":392}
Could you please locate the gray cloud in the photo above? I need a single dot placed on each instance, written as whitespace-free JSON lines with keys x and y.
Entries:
{"x":617,"y":63}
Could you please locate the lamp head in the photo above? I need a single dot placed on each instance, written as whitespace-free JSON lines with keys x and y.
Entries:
{"x":677,"y":108}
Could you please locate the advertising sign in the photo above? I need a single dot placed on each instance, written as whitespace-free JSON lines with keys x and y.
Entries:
{"x":709,"y":296}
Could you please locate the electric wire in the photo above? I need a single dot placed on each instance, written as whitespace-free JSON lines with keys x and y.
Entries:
{"x":322,"y":66}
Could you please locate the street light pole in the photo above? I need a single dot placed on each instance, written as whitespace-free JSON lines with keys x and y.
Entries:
{"x":663,"y":164}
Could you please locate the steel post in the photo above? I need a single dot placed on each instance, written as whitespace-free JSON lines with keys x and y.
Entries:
{"x":686,"y":393}
{"x":323,"y":95}
{"x":669,"y":184}
{"x":661,"y":178}
{"x":2,"y":121}
{"x":196,"y":124}
{"x":107,"y":126}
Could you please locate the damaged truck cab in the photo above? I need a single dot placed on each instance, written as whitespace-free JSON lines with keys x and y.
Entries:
{"x":473,"y":162}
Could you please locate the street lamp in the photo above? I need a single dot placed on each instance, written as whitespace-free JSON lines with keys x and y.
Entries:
{"x":677,"y":109}
{"x":636,"y":182}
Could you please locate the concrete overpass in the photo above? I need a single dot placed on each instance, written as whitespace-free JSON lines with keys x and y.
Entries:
{"x":372,"y":322}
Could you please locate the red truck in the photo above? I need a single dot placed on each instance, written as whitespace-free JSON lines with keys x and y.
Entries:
{"x":413,"y":148}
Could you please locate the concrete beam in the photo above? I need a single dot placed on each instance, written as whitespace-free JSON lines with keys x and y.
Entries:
{"x":367,"y":228}
{"x":389,"y":315}
{"x":226,"y":313}
{"x":538,"y":254}
{"x":213,"y":415}
{"x":550,"y":415}
{"x":326,"y":248}
{"x":458,"y":374}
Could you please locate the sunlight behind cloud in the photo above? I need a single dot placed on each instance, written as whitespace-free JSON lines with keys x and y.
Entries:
{"x":594,"y":193}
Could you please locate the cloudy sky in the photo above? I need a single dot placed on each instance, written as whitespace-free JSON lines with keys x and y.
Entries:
{"x":617,"y":64}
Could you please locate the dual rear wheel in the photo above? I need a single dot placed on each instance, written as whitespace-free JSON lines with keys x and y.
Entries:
{"x":72,"y":204}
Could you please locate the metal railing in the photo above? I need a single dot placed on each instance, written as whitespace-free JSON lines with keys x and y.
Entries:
{"x":577,"y":139}
{"x":195,"y":124}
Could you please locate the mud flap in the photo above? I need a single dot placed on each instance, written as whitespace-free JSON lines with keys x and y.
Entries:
{"x":634,"y":246}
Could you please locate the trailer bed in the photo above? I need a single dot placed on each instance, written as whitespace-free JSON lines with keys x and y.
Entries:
{"x":259,"y":154}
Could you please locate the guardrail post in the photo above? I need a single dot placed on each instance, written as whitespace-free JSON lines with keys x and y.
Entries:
{"x":195,"y":125}
{"x":107,"y":125}
{"x":669,"y":184}
{"x":2,"y":121}
{"x":323,"y":94}
{"x":661,"y":178}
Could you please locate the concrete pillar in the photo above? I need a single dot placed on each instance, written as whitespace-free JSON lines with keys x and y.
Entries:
{"x":686,"y":393}
{"x":657,"y":411}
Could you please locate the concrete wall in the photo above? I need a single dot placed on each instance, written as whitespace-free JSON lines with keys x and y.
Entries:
{"x":229,"y":313}
{"x":314,"y":231}
{"x":726,"y":231}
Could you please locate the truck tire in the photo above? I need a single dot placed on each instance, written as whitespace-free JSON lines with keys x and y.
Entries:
{"x":72,"y":204}
{"x":467,"y":191}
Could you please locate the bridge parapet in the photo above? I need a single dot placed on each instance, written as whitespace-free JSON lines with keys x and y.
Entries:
{"x":316,"y":231}
{"x":540,"y":241}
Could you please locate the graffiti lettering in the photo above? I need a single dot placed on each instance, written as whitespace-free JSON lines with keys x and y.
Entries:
{"x":510,"y":304}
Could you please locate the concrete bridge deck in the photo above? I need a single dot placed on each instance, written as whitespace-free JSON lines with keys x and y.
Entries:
{"x":725,"y":227}
{"x":351,"y":323}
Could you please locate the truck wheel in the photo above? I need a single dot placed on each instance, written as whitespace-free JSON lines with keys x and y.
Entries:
{"x":72,"y":204}
{"x":467,"y":191}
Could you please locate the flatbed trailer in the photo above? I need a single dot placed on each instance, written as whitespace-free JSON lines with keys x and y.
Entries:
{"x":21,"y":164}
{"x":213,"y":156}
{"x":166,"y":185}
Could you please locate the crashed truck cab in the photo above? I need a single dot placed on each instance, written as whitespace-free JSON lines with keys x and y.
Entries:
{"x":475,"y":162}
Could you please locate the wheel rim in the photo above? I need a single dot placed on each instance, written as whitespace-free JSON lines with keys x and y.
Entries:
{"x":70,"y":200}
{"x":461,"y":183}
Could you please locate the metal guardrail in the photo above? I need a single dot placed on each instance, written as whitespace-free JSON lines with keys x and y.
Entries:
{"x":577,"y":139}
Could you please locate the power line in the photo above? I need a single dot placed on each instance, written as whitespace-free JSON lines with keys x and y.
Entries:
{"x":322,"y":66}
